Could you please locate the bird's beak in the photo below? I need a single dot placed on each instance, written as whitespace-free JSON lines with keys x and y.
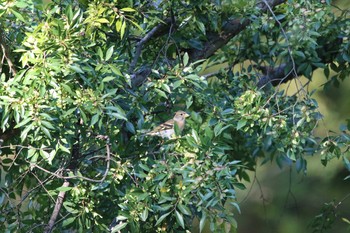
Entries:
{"x":186,"y":115}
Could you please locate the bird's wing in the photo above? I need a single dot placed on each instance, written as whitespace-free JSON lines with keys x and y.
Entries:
{"x":165,"y":126}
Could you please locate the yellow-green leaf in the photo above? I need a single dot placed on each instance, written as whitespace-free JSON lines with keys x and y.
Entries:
{"x":127,"y":9}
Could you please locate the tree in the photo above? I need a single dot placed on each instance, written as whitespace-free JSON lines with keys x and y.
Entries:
{"x":82,"y":81}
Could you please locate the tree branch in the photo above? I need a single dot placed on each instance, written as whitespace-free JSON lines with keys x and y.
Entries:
{"x":275,"y":76}
{"x":58,"y":173}
{"x":159,"y":30}
{"x":280,"y":74}
{"x":57,"y":208}
{"x":66,"y":183}
{"x":6,"y":53}
{"x":216,"y":40}
{"x":230,"y":29}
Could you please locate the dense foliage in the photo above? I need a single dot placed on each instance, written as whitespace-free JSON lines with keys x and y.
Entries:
{"x":82,"y":81}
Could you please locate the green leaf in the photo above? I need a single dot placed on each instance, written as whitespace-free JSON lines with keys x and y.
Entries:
{"x":100,"y":53}
{"x":116,"y":108}
{"x":47,"y":124}
{"x":130,"y":127}
{"x":202,"y":221}
{"x":64,"y":149}
{"x":217,"y":129}
{"x":227,"y":111}
{"x":5,"y":99}
{"x":185,"y":59}
{"x":165,"y":87}
{"x":69,"y":13}
{"x":346,"y":57}
{"x":109,"y":53}
{"x":69,"y":90}
{"x":236,"y":206}
{"x":108,"y":78}
{"x":209,"y":133}
{"x":22,"y":123}
{"x":122,"y":29}
{"x":5,"y":118}
{"x":6,"y":161}
{"x":144,"y":215}
{"x":136,"y":25}
{"x":34,"y":158}
{"x":21,"y":4}
{"x":280,"y":16}
{"x":31,"y":152}
{"x":115,"y":70}
{"x":76,"y":68}
{"x":68,"y":221}
{"x":189,"y":102}
{"x":319,"y":64}
{"x":144,"y":167}
{"x":121,"y":218}
{"x":299,"y":54}
{"x":239,"y":185}
{"x":17,"y":15}
{"x":118,"y":116}
{"x":241,"y":123}
{"x":127,"y":9}
{"x":45,"y":131}
{"x":44,"y":154}
{"x":201,"y":27}
{"x":177,"y":84}
{"x":326,"y":71}
{"x":222,"y":129}
{"x":196,"y":137}
{"x":2,"y":198}
{"x":118,"y":25}
{"x":119,"y":227}
{"x":346,"y":163}
{"x":161,"y":93}
{"x":25,"y":131}
{"x":192,"y":77}
{"x":179,"y":219}
{"x":102,"y":20}
{"x":232,"y":221}
{"x":162,"y":218}
{"x":94,"y":119}
{"x":184,"y":209}
{"x":64,"y":189}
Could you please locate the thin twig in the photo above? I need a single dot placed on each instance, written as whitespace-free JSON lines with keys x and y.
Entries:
{"x":59,"y":171}
{"x":294,"y":70}
{"x":6,"y":53}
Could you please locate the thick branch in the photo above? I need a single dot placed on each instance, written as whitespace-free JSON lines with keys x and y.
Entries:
{"x":280,"y":74}
{"x":159,"y":30}
{"x":57,"y":208}
{"x":215,"y":41}
{"x":230,"y":29}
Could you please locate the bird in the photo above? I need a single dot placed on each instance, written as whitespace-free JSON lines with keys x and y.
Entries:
{"x":166,"y":129}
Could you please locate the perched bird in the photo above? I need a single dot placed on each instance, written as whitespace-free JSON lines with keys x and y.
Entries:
{"x":167,"y":130}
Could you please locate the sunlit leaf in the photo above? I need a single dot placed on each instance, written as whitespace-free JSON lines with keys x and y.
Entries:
{"x":109,"y":53}
{"x":127,"y":9}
